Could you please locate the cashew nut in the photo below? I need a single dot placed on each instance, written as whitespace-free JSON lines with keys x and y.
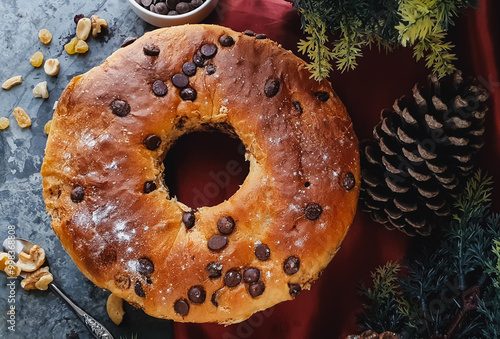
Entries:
{"x":9,"y":83}
{"x":51,"y":67}
{"x":40,"y":90}
{"x":97,"y":24}
{"x":39,"y":279}
{"x":32,"y":261}
{"x":114,"y":306}
{"x":83,"y":28}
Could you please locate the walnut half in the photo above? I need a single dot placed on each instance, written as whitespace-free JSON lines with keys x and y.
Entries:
{"x":38,"y":280}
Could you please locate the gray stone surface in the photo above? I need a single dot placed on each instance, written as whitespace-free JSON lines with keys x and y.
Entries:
{"x":42,"y":314}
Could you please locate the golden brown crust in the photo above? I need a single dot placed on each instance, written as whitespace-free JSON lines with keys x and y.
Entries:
{"x":116,"y":224}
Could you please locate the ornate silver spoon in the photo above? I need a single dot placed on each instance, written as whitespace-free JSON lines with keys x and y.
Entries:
{"x":18,"y":245}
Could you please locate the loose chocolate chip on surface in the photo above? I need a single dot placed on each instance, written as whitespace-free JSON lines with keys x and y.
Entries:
{"x":261,"y":36}
{"x":161,"y":8}
{"x":188,"y":219}
{"x":348,"y":182}
{"x":160,"y":88}
{"x":189,"y":68}
{"x":198,"y":59}
{"x":217,"y":242}
{"x":128,"y":41}
{"x":256,"y":289}
{"x":211,"y":69}
{"x":181,"y":307}
{"x":197,"y":294}
{"x":139,"y":290}
{"x":226,"y":41}
{"x":78,"y":17}
{"x":152,"y":142}
{"x":77,"y":194}
{"x":172,"y":3}
{"x":249,"y":32}
{"x":262,"y":252}
{"x":297,"y":106}
{"x":251,"y":275}
{"x":294,"y":289}
{"x":322,"y":96}
{"x":180,"y":80}
{"x":149,"y":186}
{"x":313,"y":211}
{"x":208,"y":50}
{"x":120,"y":107}
{"x":151,"y":50}
{"x":225,"y":225}
{"x":215,"y":298}
{"x":291,"y":265}
{"x":214,"y":269}
{"x":271,"y":87}
{"x":232,"y":277}
{"x":188,"y":94}
{"x":145,"y":266}
{"x":182,"y":7}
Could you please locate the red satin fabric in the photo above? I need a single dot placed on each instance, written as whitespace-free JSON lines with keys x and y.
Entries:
{"x":328,"y":309}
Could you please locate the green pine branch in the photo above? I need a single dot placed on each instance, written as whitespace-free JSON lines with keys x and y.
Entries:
{"x":440,"y":268}
{"x":421,"y":24}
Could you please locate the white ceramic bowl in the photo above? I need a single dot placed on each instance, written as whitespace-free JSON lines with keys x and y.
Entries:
{"x":161,"y":20}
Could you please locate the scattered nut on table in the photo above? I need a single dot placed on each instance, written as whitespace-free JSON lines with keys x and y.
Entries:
{"x":83,"y":28}
{"x":22,"y":118}
{"x":47,"y":126}
{"x":51,"y":67}
{"x":40,"y":90}
{"x":40,"y":279}
{"x":97,"y":24}
{"x":9,"y":83}
{"x":45,"y":36}
{"x":4,"y":260}
{"x":8,"y":265}
{"x":81,"y":47}
{"x":37,"y":59}
{"x":4,"y":123}
{"x":70,"y":46}
{"x":114,"y":306}
{"x":32,"y":261}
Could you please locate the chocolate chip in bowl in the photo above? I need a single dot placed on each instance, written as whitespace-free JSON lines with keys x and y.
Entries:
{"x":165,"y":13}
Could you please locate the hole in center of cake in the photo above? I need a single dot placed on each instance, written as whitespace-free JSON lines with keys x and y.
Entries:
{"x":205,"y":168}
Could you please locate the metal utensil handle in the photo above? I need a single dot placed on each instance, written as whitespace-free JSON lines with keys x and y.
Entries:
{"x":97,"y":329}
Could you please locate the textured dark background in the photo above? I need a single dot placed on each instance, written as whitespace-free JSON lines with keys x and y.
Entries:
{"x":42,"y":314}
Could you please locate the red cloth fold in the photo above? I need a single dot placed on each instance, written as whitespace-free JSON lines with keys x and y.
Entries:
{"x":328,"y":309}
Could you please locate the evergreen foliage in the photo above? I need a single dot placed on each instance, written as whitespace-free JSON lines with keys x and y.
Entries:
{"x":451,"y":284}
{"x":421,"y":24}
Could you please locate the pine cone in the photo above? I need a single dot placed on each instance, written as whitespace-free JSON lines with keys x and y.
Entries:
{"x":369,"y":334}
{"x":421,"y":154}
